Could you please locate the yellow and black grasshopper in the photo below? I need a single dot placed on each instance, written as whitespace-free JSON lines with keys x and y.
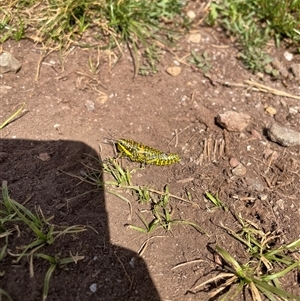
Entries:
{"x":143,"y":154}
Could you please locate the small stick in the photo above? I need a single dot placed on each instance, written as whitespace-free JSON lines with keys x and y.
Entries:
{"x":258,"y":87}
{"x":186,"y":263}
{"x":269,"y":89}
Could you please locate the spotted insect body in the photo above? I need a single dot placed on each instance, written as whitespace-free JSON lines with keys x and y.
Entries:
{"x":138,"y":152}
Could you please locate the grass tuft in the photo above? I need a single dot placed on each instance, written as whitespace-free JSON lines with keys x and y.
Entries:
{"x":216,"y":201}
{"x":254,"y":23}
{"x":58,"y":24}
{"x":14,"y":216}
{"x":119,"y":182}
{"x":261,"y":273}
{"x":201,"y":61}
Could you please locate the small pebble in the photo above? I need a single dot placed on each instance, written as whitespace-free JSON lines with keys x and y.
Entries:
{"x":102,"y":98}
{"x":272,"y":111}
{"x":90,"y":105}
{"x":288,"y":56}
{"x":256,"y":134}
{"x":283,"y":135}
{"x":194,"y":38}
{"x":263,"y":197}
{"x":93,"y":287}
{"x":191,"y":14}
{"x":233,"y":121}
{"x":280,"y":204}
{"x":239,"y":170}
{"x":174,"y":70}
{"x":254,"y":183}
{"x":293,"y":110}
{"x":267,"y":153}
{"x":260,"y":75}
{"x":45,"y":157}
{"x":276,"y":64}
{"x":234,"y":162}
{"x":295,"y":68}
{"x":284,"y":72}
{"x":9,"y":63}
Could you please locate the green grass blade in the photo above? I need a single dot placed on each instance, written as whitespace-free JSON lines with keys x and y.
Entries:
{"x":139,"y":229}
{"x":270,"y":289}
{"x":194,"y":225}
{"x":281,"y":273}
{"x":9,"y":120}
{"x":69,"y":230}
{"x":47,"y":280}
{"x":290,"y":246}
{"x":72,"y":259}
{"x":34,"y":246}
{"x":4,"y":293}
{"x":49,"y":258}
{"x":229,"y":259}
{"x":33,"y":222}
{"x":4,"y":248}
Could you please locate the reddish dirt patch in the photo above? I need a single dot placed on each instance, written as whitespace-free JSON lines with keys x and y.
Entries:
{"x":149,"y":110}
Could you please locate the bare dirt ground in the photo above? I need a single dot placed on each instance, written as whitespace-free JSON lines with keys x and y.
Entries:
{"x":153,"y":110}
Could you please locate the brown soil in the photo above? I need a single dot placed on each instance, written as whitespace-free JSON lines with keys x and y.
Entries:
{"x":153,"y":110}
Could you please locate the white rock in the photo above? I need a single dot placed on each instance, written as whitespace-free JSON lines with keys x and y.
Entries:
{"x":288,"y":56}
{"x":293,"y":110}
{"x":191,"y":14}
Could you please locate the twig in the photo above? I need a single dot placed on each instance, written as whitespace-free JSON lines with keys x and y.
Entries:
{"x":42,"y":57}
{"x":176,"y":135}
{"x":266,"y":89}
{"x":258,"y":87}
{"x":186,"y":263}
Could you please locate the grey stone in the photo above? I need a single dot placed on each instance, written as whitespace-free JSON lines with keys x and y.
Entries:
{"x":8,"y":63}
{"x":254,"y":183}
{"x":283,"y":135}
{"x":276,"y":64}
{"x":295,"y":68}
{"x":93,"y":287}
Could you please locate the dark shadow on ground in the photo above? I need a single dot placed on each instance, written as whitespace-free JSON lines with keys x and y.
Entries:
{"x":33,"y":170}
